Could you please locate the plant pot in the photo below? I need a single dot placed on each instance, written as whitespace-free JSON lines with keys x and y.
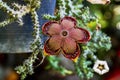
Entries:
{"x":17,"y":39}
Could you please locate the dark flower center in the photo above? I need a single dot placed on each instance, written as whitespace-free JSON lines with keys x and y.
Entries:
{"x":101,"y":67}
{"x":64,"y":33}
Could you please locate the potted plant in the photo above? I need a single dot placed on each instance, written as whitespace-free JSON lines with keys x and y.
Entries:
{"x":66,"y":33}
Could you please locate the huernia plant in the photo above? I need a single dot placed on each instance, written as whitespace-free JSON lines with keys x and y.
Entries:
{"x":68,"y":35}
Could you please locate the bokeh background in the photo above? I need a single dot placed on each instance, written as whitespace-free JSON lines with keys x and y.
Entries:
{"x":109,"y":17}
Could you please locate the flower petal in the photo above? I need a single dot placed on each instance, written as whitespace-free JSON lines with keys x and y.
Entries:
{"x":80,"y":35}
{"x":99,"y":1}
{"x":52,"y":45}
{"x":71,"y":49}
{"x":51,"y":28}
{"x":68,"y":22}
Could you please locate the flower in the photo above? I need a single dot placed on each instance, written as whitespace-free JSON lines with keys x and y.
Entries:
{"x":114,"y":74}
{"x":64,"y":37}
{"x":101,"y":67}
{"x":99,"y":1}
{"x":118,"y":53}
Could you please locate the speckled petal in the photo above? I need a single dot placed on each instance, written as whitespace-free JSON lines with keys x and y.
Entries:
{"x":52,"y":45}
{"x":71,"y":49}
{"x":80,"y":35}
{"x":68,"y":22}
{"x":51,"y":28}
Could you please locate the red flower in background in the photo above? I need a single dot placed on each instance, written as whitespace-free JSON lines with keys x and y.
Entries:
{"x":64,"y":37}
{"x":114,"y":75}
{"x":118,"y":53}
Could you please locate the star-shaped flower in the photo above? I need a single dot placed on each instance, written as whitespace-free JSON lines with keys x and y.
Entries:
{"x":101,"y":67}
{"x":99,"y":1}
{"x":64,"y":37}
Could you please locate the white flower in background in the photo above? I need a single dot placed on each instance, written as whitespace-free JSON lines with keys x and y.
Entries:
{"x":99,"y":1}
{"x":101,"y":67}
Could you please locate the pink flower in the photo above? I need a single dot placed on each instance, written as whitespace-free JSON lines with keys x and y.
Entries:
{"x":99,"y":1}
{"x":64,"y":38}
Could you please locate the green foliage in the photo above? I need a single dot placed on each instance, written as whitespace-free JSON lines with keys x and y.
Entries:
{"x":54,"y":64}
{"x":16,"y":13}
{"x":36,"y":47}
{"x":49,"y":17}
{"x":91,"y":51}
{"x":99,"y":43}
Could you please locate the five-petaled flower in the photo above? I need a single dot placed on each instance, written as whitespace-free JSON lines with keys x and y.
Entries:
{"x":101,"y":67}
{"x":64,"y":37}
